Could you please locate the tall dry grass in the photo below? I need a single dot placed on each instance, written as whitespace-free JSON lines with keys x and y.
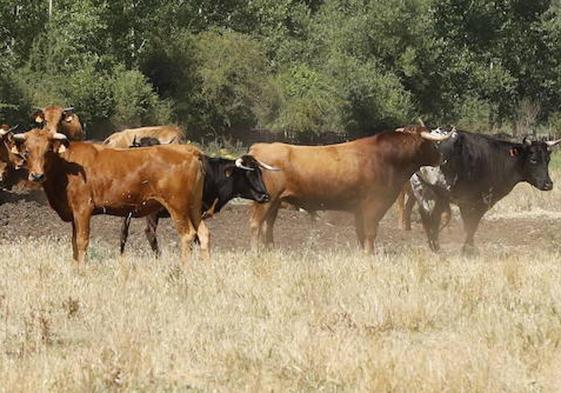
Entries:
{"x":336,"y":321}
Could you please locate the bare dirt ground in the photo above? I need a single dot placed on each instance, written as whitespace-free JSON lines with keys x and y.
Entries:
{"x":27,"y":215}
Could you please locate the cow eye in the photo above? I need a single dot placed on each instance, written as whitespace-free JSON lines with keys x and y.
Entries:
{"x":533,"y":161}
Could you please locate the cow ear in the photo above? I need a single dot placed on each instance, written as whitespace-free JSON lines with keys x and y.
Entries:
{"x":39,"y":117}
{"x":229,"y":171}
{"x":68,"y":117}
{"x":514,"y":152}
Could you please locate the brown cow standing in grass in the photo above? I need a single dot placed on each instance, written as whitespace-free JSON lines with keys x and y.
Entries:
{"x":364,"y":177}
{"x":164,"y":134}
{"x":58,"y":119}
{"x":83,"y":179}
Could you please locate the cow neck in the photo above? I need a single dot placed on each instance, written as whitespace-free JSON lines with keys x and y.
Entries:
{"x":216,"y":185}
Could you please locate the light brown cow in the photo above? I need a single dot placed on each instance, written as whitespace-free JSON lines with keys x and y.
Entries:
{"x":83,"y":179}
{"x":58,"y":119}
{"x":364,"y":177}
{"x":164,"y":134}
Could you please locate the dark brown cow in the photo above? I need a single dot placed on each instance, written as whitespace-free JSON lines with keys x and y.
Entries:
{"x":83,"y":179}
{"x":364,"y":177}
{"x":58,"y":119}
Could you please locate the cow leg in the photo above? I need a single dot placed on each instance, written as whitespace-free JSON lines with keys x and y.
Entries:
{"x":270,"y":223}
{"x":373,"y":212}
{"x":187,"y":234}
{"x":125,"y":232}
{"x":258,"y":216}
{"x":406,"y":219}
{"x":400,"y":204}
{"x":80,"y":235}
{"x":150,"y":232}
{"x":471,"y":216}
{"x":431,"y":222}
{"x":204,"y":238}
{"x":359,"y":227}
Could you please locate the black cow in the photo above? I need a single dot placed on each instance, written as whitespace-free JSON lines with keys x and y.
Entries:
{"x":478,"y":171}
{"x":225,"y":179}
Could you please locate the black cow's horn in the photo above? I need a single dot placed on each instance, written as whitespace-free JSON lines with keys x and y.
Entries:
{"x":553,"y":143}
{"x":267,"y":167}
{"x":59,"y":136}
{"x":526,"y":141}
{"x":239,"y":164}
{"x":19,"y":137}
{"x":69,"y":109}
{"x":434,"y":137}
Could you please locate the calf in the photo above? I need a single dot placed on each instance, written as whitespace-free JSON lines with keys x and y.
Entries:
{"x":83,"y":179}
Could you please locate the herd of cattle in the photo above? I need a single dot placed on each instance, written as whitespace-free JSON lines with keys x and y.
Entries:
{"x":151,"y":172}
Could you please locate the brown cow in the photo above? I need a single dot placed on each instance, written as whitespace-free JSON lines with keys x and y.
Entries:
{"x":363,"y":177}
{"x":83,"y":179}
{"x":58,"y":119}
{"x":164,"y":134}
{"x":10,"y":163}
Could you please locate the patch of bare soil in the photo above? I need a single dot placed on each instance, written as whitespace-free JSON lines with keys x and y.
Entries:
{"x":27,"y":215}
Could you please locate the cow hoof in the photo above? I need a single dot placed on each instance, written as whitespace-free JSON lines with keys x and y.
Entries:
{"x":470,"y":251}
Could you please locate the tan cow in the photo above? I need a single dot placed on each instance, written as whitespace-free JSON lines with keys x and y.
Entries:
{"x":58,"y":119}
{"x":364,"y":177}
{"x":164,"y":134}
{"x":83,"y":179}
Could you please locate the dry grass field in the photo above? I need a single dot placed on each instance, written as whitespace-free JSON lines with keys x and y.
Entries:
{"x":294,"y":319}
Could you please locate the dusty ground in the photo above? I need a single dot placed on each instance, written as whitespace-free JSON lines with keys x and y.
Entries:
{"x":24,"y":216}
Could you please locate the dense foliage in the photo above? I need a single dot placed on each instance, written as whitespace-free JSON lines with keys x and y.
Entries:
{"x":308,"y":66}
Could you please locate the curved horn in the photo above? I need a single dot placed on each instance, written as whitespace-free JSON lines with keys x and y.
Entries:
{"x":69,"y":109}
{"x":239,"y":164}
{"x":19,"y":137}
{"x":433,"y":137}
{"x":552,"y":143}
{"x":59,"y":136}
{"x":526,"y":141}
{"x":453,"y":129}
{"x":13,"y":128}
{"x":421,"y":122}
{"x":267,"y":167}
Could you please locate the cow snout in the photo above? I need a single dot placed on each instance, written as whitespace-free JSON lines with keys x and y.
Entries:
{"x":263,"y":198}
{"x":547,"y":185}
{"x":37,"y":177}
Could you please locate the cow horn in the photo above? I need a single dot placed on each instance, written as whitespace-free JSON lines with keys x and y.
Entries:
{"x":19,"y":137}
{"x":69,"y":109}
{"x":13,"y":128}
{"x":239,"y":164}
{"x":59,"y":136}
{"x":432,"y":137}
{"x":526,"y":141}
{"x":552,"y":143}
{"x":421,"y":122}
{"x":267,"y":167}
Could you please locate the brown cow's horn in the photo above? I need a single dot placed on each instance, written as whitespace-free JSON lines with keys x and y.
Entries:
{"x":239,"y":164}
{"x":267,"y":167}
{"x":59,"y":136}
{"x":432,"y":137}
{"x":69,"y":109}
{"x":421,"y":122}
{"x":19,"y":137}
{"x":553,"y":143}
